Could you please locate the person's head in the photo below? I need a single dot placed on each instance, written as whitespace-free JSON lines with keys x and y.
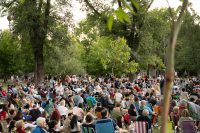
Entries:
{"x":145,"y":112}
{"x":90,"y":110}
{"x":173,"y":92}
{"x":134,"y":119}
{"x":12,"y":112}
{"x":143,"y":103}
{"x":132,"y":107}
{"x":89,"y":118}
{"x":192,"y":99}
{"x":73,"y":122}
{"x":183,"y":103}
{"x":4,"y":108}
{"x":8,"y":120}
{"x":55,"y":115}
{"x":27,"y":106}
{"x":120,"y":119}
{"x":98,"y":104}
{"x":62,"y":103}
{"x":173,"y":103}
{"x":175,"y":110}
{"x":44,"y":114}
{"x":70,"y":115}
{"x":53,"y":124}
{"x":41,"y":122}
{"x":19,"y":114}
{"x":20,"y":124}
{"x":80,"y":105}
{"x":34,"y":106}
{"x":118,"y":105}
{"x":137,"y":99}
{"x":194,"y":91}
{"x":104,"y":113}
{"x":12,"y":125}
{"x":185,"y":113}
{"x":183,"y":89}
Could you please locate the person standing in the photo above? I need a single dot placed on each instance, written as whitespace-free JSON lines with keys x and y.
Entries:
{"x":162,"y":84}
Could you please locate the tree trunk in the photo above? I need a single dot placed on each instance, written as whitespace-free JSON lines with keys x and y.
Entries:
{"x":169,"y":75}
{"x":4,"y":77}
{"x":132,"y":77}
{"x":150,"y":71}
{"x":39,"y":66}
{"x":63,"y":79}
{"x":198,"y":74}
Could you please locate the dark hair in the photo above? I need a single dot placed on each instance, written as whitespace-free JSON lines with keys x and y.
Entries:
{"x":12,"y":125}
{"x":70,"y":114}
{"x":55,"y":115}
{"x":5,"y":108}
{"x":183,"y":89}
{"x":10,"y":102}
{"x":34,"y":106}
{"x":52,"y":124}
{"x":144,"y":98}
{"x":98,"y":104}
{"x":104,"y":112}
{"x":19,"y":115}
{"x":119,"y":120}
{"x":89,"y":118}
{"x":118,"y":105}
{"x":8,"y":120}
{"x":11,"y":111}
{"x":192,"y":99}
{"x":137,"y":99}
{"x":47,"y":102}
{"x":27,"y":106}
{"x":73,"y":122}
{"x":132,"y":107}
{"x":89,"y":109}
{"x":80,"y":105}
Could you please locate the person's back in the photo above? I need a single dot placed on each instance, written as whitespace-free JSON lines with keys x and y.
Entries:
{"x":35,"y":113}
{"x":66,"y":126}
{"x":118,"y":97}
{"x":146,"y":119}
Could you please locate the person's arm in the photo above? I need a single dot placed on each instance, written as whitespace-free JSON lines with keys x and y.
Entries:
{"x":124,"y":110}
{"x":6,"y":116}
{"x":117,"y":128}
{"x":78,"y":128}
{"x":82,"y":112}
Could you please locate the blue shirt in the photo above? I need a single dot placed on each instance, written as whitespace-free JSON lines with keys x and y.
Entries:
{"x":14,"y":90}
{"x":106,"y":119}
{"x":92,"y":99}
{"x":39,"y":130}
{"x":43,"y":104}
{"x":150,"y":111}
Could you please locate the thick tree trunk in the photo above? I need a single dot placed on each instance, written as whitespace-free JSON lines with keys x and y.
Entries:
{"x":39,"y":66}
{"x":132,"y":77}
{"x":63,"y":79}
{"x":198,"y":74}
{"x":150,"y":71}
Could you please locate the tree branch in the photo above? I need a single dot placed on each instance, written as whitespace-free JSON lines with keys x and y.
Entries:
{"x":119,"y":3}
{"x":40,"y":5}
{"x":92,"y":7}
{"x":170,"y":10}
{"x":150,"y":5}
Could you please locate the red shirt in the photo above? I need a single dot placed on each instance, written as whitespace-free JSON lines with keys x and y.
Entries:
{"x":20,"y":131}
{"x":3,"y":114}
{"x":137,"y":89}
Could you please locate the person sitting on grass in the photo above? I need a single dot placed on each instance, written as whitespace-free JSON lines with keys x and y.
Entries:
{"x":89,"y":120}
{"x":41,"y":124}
{"x":20,"y":125}
{"x":53,"y":126}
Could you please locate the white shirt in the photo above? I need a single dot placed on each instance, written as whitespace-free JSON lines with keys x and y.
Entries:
{"x":78,"y":90}
{"x":118,"y":97}
{"x":59,"y":90}
{"x":62,"y":110}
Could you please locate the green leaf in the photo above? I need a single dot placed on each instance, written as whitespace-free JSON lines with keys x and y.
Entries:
{"x":124,"y":15}
{"x":135,"y":3}
{"x":119,"y":16}
{"x":110,"y":22}
{"x":125,"y":4}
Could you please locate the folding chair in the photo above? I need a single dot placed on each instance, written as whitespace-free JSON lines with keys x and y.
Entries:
{"x":90,"y":104}
{"x":174,"y":119}
{"x":87,"y":130}
{"x":106,"y":127}
{"x":188,"y":127}
{"x":142,"y":127}
{"x":98,"y":115}
{"x":195,"y":97}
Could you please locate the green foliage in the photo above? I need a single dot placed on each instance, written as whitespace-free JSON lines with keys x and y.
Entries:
{"x":10,"y":50}
{"x":112,"y":55}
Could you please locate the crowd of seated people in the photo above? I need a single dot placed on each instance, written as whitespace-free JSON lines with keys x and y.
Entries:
{"x":82,"y":103}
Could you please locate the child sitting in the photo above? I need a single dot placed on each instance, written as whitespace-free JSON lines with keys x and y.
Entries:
{"x":132,"y":126}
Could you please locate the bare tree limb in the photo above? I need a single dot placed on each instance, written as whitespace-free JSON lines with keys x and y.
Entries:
{"x":170,"y":10}
{"x":119,"y":3}
{"x":150,"y":5}
{"x":170,"y":66}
